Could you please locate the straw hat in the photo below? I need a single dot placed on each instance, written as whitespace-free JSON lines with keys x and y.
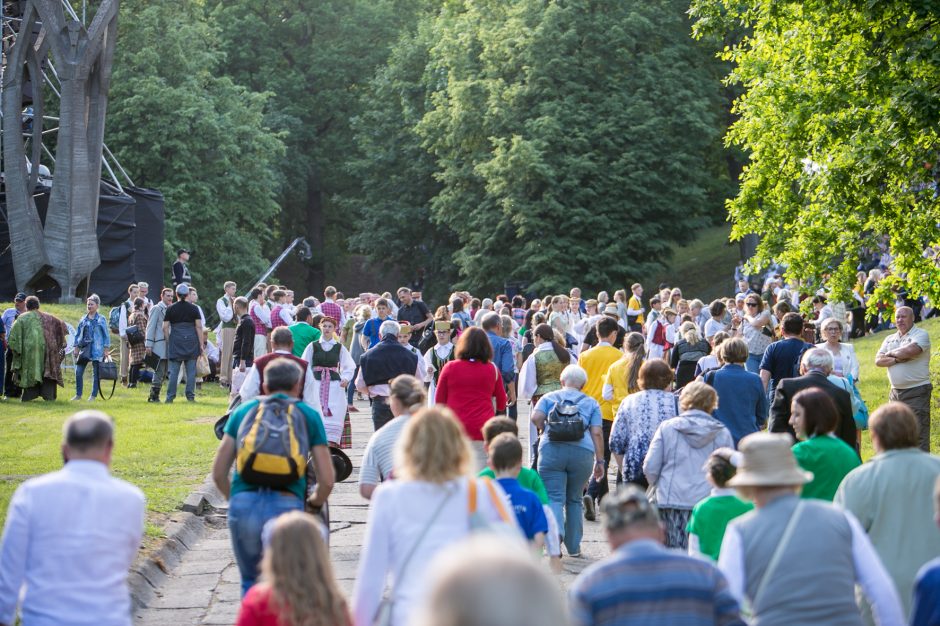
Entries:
{"x":611,"y":309}
{"x":767,"y":460}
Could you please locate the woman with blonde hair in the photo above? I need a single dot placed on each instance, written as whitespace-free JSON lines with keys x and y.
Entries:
{"x":687,"y":353}
{"x":297,"y":586}
{"x":430,"y":505}
{"x":623,"y":376}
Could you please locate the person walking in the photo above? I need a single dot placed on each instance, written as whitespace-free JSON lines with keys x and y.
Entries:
{"x":224,"y":306}
{"x":742,"y":402}
{"x":906,"y":355}
{"x":413,"y":518}
{"x":891,"y":496}
{"x":782,"y":358}
{"x":379,"y":365}
{"x":642,"y":583}
{"x":333,"y":370}
{"x":814,"y":416}
{"x":679,"y":449}
{"x":92,"y":341}
{"x":71,"y":536}
{"x":570,"y":451}
{"x":808,"y":573}
{"x":155,"y":342}
{"x":182,"y":326}
{"x":710,"y":517}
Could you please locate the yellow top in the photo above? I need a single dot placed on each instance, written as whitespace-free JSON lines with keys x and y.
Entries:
{"x":596,"y":362}
{"x":616,"y":377}
{"x":635,"y":304}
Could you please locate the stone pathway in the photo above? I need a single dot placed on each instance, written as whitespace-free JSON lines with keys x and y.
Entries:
{"x":204,"y":587}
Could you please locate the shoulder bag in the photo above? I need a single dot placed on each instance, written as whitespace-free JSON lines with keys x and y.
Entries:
{"x":107,"y":370}
{"x":778,"y":554}
{"x":383,"y":615}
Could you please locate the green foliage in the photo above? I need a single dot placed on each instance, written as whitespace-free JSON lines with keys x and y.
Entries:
{"x":575,"y":141}
{"x":839,"y":119}
{"x":180,"y":127}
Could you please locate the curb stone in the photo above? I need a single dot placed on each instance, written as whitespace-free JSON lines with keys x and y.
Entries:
{"x":183,"y":530}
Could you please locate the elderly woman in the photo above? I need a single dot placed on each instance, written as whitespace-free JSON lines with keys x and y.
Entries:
{"x":742,"y":402}
{"x":844,"y":361}
{"x":814,"y":416}
{"x":679,"y":449}
{"x":756,"y":327}
{"x":818,"y":553}
{"x":571,"y":449}
{"x":638,"y":417}
{"x":890,"y":495}
{"x":420,"y":513}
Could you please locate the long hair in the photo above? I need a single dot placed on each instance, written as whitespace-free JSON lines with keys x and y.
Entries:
{"x":634,"y":351}
{"x":546,"y":333}
{"x":297,"y":565}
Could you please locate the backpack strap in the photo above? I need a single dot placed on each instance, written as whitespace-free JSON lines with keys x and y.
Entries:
{"x":494,"y":498}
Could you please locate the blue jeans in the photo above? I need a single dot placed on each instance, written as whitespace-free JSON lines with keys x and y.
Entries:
{"x":351,"y":388}
{"x":79,"y":375}
{"x":174,"y":376}
{"x":565,"y":468}
{"x":248,"y":512}
{"x":753,"y":363}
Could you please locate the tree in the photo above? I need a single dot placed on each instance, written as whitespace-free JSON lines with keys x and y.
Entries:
{"x":576,"y":140}
{"x":180,"y":127}
{"x":839,"y":120}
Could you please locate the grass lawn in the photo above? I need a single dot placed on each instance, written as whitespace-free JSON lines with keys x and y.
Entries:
{"x":166,"y":450}
{"x":704,"y":268}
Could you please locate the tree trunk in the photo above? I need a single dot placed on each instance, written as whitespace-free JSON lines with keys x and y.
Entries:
{"x":316,"y":225}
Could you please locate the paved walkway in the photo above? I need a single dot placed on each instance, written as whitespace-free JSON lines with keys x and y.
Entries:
{"x":204,"y":588}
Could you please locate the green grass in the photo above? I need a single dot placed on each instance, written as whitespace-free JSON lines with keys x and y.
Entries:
{"x":166,"y":450}
{"x":704,"y":268}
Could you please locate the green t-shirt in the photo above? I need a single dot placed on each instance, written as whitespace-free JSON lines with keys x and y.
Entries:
{"x":304,"y":334}
{"x":829,"y":459}
{"x":314,"y":428}
{"x":528,"y":478}
{"x":710,"y":518}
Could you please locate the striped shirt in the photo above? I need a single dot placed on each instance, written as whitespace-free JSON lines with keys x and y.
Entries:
{"x":377,"y":460}
{"x":644,"y":583}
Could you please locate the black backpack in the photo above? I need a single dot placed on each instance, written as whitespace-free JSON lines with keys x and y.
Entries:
{"x":565,"y":422}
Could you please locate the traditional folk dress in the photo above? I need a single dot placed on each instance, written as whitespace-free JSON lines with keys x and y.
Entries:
{"x":332,"y":364}
{"x":435,"y":359}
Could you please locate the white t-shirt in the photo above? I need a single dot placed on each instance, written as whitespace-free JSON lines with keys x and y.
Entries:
{"x":915,"y":372}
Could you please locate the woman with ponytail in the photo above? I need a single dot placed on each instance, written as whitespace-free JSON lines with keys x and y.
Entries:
{"x":541,"y":373}
{"x":623,"y":376}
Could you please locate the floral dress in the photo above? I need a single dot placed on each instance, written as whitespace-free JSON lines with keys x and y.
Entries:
{"x":634,"y":426}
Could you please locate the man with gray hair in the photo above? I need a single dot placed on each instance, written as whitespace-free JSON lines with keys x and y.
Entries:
{"x":642,"y":582}
{"x":72,"y":535}
{"x":906,"y":354}
{"x":379,"y":365}
{"x":815,"y":367}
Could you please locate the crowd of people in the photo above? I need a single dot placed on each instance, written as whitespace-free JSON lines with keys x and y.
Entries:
{"x":737,"y":492}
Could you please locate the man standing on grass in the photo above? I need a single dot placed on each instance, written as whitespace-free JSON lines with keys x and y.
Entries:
{"x":906,"y":354}
{"x":182,"y":326}
{"x":71,"y":536}
{"x":226,"y":339}
{"x":155,"y":342}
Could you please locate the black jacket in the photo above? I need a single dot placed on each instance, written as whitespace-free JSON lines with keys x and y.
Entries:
{"x":244,"y":346}
{"x":789,"y":387}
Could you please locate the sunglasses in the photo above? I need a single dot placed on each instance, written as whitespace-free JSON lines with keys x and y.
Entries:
{"x":752,"y":304}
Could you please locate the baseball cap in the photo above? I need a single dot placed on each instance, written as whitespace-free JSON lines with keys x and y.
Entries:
{"x":20,"y":297}
{"x":182,"y":289}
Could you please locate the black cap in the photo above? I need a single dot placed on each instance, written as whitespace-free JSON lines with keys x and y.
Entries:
{"x":20,"y":297}
{"x":182,"y":251}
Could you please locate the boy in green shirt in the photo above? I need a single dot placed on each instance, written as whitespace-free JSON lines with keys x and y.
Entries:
{"x":710,"y":517}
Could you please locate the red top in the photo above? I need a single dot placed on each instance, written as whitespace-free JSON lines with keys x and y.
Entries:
{"x":468,"y":389}
{"x":256,"y":608}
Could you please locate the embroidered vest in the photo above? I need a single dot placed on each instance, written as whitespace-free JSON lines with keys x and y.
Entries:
{"x":439,"y":363}
{"x":260,"y":328}
{"x":325,"y":359}
{"x":233,"y":323}
{"x":276,"y":320}
{"x":547,"y":372}
{"x":262,"y":362}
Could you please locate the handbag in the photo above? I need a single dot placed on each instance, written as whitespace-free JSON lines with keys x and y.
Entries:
{"x":383,"y":614}
{"x":134,"y":336}
{"x":107,"y":370}
{"x":202,"y":366}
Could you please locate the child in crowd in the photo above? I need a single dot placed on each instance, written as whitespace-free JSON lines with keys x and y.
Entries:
{"x":710,"y":517}
{"x":505,"y":458}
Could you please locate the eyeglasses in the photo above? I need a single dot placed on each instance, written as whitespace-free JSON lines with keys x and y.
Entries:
{"x":833,"y":329}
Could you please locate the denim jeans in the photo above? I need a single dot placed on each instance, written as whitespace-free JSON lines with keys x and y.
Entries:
{"x":248,"y":512}
{"x":79,"y":375}
{"x":351,"y":387}
{"x":175,"y":376}
{"x":381,"y":412}
{"x":753,"y":363}
{"x":565,"y":468}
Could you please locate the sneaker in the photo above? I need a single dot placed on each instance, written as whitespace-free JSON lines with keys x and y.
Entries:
{"x":92,"y":398}
{"x":76,"y":398}
{"x":574,"y":555}
{"x":167,"y":401}
{"x":588,"y":502}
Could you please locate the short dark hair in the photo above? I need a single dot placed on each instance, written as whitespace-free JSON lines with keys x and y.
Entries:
{"x":87,"y":430}
{"x":32,"y":303}
{"x":819,"y":411}
{"x":302,"y":313}
{"x":282,"y":337}
{"x":505,"y":452}
{"x":497,"y":426}
{"x":518,"y":302}
{"x":895,"y":426}
{"x":655,"y":374}
{"x":716,"y":308}
{"x":719,"y":466}
{"x":382,"y":302}
{"x":281,"y":374}
{"x":457,"y":305}
{"x":254,"y":293}
{"x":605,"y":326}
{"x":792,"y":323}
{"x":240,"y":303}
{"x":474,"y":344}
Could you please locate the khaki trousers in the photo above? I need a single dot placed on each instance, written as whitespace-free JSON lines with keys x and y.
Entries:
{"x":918,"y":399}
{"x":226,"y":345}
{"x":125,"y":358}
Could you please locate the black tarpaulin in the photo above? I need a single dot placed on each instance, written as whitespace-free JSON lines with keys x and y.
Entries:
{"x":116,"y":247}
{"x":148,"y":237}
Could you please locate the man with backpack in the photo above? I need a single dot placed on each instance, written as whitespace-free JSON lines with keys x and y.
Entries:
{"x":270,"y":439}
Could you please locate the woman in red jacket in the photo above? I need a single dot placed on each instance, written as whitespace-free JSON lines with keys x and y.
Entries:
{"x":469,"y":384}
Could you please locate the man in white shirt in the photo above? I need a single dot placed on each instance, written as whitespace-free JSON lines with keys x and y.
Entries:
{"x":223,"y":306}
{"x":72,"y":535}
{"x":144,"y":289}
{"x":126,"y":307}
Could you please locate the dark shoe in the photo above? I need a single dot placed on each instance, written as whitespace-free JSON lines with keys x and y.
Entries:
{"x":167,"y":401}
{"x":589,"y":508}
{"x":190,"y":399}
{"x":132,"y":386}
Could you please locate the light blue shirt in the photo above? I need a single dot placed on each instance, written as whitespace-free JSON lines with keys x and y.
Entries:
{"x":502,"y":356}
{"x":588,"y":407}
{"x":69,"y":540}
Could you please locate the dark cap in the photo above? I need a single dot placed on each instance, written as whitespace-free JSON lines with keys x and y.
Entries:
{"x":182,"y":251}
{"x":20,"y":297}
